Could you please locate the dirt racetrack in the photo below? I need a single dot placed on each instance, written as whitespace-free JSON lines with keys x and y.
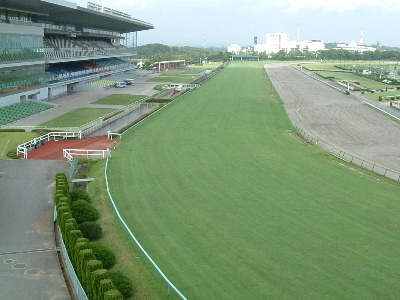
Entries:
{"x":337,"y":120}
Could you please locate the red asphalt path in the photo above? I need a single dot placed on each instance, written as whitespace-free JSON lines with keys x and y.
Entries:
{"x":53,"y":150}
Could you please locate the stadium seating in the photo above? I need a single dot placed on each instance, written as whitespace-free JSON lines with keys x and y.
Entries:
{"x":21,"y":110}
{"x":102,"y":83}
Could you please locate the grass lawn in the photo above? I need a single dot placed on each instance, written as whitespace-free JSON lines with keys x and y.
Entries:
{"x":10,"y":141}
{"x":230,"y":206}
{"x":375,"y":96}
{"x":78,"y":117}
{"x":171,"y":79}
{"x":119,"y":99}
{"x":369,"y":83}
{"x":146,"y":287}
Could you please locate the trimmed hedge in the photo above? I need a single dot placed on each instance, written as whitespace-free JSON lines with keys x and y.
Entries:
{"x":79,"y":194}
{"x":102,"y":253}
{"x":84,"y":211}
{"x":90,"y":230}
{"x":122,"y":283}
{"x":94,"y":279}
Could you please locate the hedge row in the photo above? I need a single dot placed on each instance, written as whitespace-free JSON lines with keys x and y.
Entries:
{"x":94,"y":278}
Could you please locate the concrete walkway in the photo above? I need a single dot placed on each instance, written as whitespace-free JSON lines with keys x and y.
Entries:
{"x":29,"y":265}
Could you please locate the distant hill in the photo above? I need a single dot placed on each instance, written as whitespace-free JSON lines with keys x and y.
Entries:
{"x":157,"y":52}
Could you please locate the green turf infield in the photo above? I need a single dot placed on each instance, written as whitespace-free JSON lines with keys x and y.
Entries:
{"x":231,"y":206}
{"x":120,"y":99}
{"x":78,"y":117}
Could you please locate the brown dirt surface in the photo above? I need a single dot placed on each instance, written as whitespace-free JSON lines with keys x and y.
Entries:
{"x":53,"y":150}
{"x":337,"y":120}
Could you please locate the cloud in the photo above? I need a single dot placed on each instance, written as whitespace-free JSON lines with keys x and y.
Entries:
{"x":333,"y":5}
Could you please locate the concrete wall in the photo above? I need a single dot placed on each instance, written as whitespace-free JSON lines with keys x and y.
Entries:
{"x":37,"y":94}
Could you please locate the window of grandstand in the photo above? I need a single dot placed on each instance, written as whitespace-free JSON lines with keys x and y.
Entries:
{"x":17,"y":47}
{"x":99,"y":31}
{"x":21,"y":78}
{"x":60,"y":27}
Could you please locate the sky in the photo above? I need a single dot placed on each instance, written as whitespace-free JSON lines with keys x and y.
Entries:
{"x":220,"y":23}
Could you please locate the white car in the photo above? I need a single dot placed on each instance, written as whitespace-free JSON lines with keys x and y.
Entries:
{"x":120,"y":84}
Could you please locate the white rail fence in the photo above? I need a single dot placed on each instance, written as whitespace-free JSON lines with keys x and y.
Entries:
{"x":381,"y":110}
{"x":136,"y":243}
{"x":310,"y":74}
{"x":365,"y":164}
{"x":306,"y":136}
{"x":24,"y":148}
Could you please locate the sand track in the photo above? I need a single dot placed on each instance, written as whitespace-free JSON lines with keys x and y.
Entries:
{"x":337,"y":120}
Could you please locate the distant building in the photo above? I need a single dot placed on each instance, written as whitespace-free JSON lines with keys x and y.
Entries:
{"x":281,"y":42}
{"x":234,"y":49}
{"x":353,"y":47}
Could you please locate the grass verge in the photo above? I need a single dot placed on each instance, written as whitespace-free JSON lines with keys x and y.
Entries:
{"x":78,"y":117}
{"x":10,"y":141}
{"x":120,"y":99}
{"x":146,"y":286}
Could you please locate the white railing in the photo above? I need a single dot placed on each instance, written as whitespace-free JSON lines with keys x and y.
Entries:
{"x":24,"y":148}
{"x":310,"y":74}
{"x":70,"y":154}
{"x":110,"y":135}
{"x":365,"y":164}
{"x":381,"y":110}
{"x":394,"y":104}
{"x":305,"y":135}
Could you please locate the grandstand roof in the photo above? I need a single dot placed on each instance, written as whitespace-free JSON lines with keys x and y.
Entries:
{"x":65,"y":12}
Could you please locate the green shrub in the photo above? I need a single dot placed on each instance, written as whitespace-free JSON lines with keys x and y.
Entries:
{"x":104,"y":286}
{"x":96,"y":277}
{"x":122,"y":283}
{"x":380,"y":98}
{"x":81,"y":244}
{"x":83,"y":211}
{"x":113,"y":295}
{"x":12,"y":130}
{"x":86,"y":161}
{"x":91,"y":230}
{"x":79,"y":194}
{"x":83,"y":257}
{"x":13,"y":154}
{"x":91,"y":266}
{"x":104,"y":254}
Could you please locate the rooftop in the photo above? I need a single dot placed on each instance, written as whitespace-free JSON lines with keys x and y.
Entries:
{"x":65,"y":12}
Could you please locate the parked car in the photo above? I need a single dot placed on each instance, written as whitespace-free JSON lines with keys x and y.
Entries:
{"x":120,"y":84}
{"x":129,"y":81}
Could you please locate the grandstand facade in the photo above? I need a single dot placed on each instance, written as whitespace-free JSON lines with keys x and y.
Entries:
{"x":51,"y":47}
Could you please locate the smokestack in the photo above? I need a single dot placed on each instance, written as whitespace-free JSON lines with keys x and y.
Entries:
{"x":362,"y":37}
{"x":298,"y":31}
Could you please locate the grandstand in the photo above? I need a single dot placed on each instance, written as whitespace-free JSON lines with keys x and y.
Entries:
{"x":21,"y":110}
{"x":51,"y":47}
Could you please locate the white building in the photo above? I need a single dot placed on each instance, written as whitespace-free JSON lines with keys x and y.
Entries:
{"x":353,"y":47}
{"x":281,"y":41}
{"x":234,"y":49}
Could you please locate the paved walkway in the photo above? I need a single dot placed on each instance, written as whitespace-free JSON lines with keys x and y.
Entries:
{"x":29,"y":266}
